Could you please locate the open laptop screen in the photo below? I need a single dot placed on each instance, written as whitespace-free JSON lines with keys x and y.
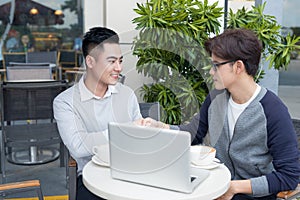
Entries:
{"x":150,"y":156}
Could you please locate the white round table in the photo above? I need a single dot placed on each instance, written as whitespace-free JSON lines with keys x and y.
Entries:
{"x":98,"y":180}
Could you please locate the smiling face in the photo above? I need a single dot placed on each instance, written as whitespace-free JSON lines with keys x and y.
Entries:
{"x":104,"y":64}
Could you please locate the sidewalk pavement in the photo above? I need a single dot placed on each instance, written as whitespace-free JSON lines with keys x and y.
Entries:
{"x":52,"y":178}
{"x":290,"y":95}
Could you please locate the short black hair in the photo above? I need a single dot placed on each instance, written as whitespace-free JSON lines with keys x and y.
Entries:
{"x":98,"y":36}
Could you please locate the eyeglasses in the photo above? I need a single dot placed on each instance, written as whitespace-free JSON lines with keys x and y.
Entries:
{"x":216,"y":65}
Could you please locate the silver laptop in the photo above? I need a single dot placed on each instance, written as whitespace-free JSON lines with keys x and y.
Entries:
{"x":152,"y":156}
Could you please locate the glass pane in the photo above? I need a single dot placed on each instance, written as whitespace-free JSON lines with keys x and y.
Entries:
{"x":40,"y":25}
{"x":291,"y":20}
{"x":291,"y":25}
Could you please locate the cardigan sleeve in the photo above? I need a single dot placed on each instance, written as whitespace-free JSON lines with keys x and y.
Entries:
{"x":283,"y":145}
{"x":198,"y":126}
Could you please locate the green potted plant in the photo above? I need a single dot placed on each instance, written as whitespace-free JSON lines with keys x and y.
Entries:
{"x":170,"y":50}
{"x":277,"y":48}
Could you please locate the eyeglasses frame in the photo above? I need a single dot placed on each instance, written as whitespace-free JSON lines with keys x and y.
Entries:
{"x":216,"y":65}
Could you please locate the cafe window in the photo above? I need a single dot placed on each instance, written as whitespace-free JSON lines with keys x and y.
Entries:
{"x":41,"y":25}
{"x":291,"y":22}
{"x":234,"y":5}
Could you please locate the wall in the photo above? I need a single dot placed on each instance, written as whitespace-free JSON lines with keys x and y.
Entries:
{"x":93,"y":13}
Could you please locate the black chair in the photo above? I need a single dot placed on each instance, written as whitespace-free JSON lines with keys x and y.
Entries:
{"x":79,"y":59}
{"x":23,"y":186}
{"x":150,"y":110}
{"x":13,"y":57}
{"x":28,"y":73}
{"x":67,"y":58}
{"x":18,"y":64}
{"x":292,"y":194}
{"x":289,"y":195}
{"x":29,"y":131}
{"x":42,"y":57}
{"x":74,"y":76}
{"x":71,"y":177}
{"x":45,"y":57}
{"x":296,"y":123}
{"x":67,"y":61}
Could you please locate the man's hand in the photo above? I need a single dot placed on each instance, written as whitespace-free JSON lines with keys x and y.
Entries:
{"x":152,"y":123}
{"x":236,"y":186}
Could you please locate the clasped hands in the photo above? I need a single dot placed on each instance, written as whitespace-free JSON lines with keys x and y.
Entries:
{"x":151,"y":123}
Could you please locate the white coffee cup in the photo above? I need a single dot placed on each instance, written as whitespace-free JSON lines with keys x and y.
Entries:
{"x":202,"y":155}
{"x":102,"y":153}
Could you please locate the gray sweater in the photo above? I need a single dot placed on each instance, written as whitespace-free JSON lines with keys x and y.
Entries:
{"x":263,"y":135}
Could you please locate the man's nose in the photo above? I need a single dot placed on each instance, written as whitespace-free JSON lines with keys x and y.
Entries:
{"x":118,"y":66}
{"x":211,"y":71}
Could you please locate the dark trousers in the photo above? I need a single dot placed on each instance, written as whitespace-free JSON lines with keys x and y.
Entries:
{"x":83,"y":193}
{"x":246,"y":197}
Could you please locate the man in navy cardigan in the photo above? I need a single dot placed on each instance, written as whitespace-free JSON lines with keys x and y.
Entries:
{"x":248,"y":125}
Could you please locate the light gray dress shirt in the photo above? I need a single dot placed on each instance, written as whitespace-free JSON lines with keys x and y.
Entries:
{"x":82,"y":118}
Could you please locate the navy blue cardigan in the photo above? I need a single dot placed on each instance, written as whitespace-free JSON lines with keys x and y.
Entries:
{"x":264,"y":146}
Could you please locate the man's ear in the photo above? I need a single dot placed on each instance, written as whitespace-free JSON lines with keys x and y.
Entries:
{"x":90,"y":61}
{"x":240,"y":66}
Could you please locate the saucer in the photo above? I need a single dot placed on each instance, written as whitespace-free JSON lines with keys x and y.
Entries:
{"x":99,"y":162}
{"x":212,"y":165}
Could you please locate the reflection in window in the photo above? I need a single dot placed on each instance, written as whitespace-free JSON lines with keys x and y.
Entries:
{"x":44,"y":25}
{"x":291,"y":21}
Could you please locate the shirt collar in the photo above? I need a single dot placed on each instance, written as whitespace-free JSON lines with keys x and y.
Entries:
{"x":86,"y":94}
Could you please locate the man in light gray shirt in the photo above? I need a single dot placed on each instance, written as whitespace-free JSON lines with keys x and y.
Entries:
{"x":84,"y":110}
